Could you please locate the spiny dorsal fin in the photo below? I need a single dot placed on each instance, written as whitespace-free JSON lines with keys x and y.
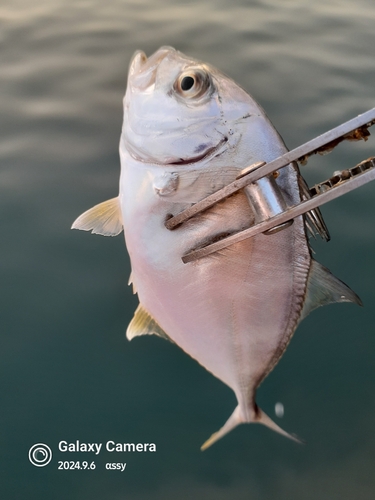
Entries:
{"x":313,"y":216}
{"x":104,"y":219}
{"x":144,"y":324}
{"x":324,"y":288}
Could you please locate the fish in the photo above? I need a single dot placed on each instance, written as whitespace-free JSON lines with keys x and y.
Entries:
{"x":189,"y":130}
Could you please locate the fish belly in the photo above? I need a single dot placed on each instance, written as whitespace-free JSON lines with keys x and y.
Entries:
{"x":233,"y":311}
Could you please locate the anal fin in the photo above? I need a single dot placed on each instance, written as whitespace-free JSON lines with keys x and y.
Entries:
{"x":131,"y":282}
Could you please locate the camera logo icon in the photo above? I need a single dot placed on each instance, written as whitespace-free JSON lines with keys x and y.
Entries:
{"x":40,"y":455}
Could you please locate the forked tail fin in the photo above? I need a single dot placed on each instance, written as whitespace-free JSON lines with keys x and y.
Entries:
{"x":237,"y":418}
{"x":232,"y":422}
{"x":263,"y":418}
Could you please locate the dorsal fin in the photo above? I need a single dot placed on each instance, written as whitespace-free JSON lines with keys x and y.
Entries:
{"x":144,"y":324}
{"x":104,"y":219}
{"x":324,"y":288}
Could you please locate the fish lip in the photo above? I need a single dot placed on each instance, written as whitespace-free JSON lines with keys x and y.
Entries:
{"x":209,"y":153}
{"x":142,"y":69}
{"x":137,"y":60}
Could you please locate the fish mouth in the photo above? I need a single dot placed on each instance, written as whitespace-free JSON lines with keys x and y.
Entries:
{"x":143,"y":69}
{"x":205,"y":156}
{"x":209,"y":153}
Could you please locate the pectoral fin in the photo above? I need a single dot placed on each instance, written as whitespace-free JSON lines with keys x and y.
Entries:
{"x":324,"y":288}
{"x":104,"y":219}
{"x":144,"y":324}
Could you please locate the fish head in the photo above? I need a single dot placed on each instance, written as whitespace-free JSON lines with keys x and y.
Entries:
{"x":180,"y":111}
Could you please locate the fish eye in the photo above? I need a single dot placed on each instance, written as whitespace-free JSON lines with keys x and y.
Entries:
{"x":187,"y":82}
{"x":193,"y":83}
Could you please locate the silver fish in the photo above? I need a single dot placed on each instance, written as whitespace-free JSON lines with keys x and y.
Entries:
{"x":188,"y":131}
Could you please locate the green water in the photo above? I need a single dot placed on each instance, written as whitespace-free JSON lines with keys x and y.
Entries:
{"x":67,"y":371}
